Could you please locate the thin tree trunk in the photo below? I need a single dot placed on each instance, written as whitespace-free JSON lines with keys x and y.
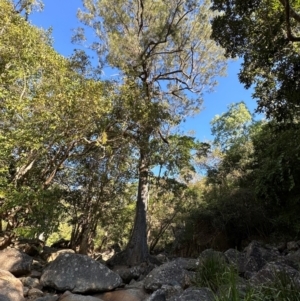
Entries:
{"x":137,"y":248}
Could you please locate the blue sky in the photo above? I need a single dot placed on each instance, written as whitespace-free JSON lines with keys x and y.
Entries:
{"x":61,"y":16}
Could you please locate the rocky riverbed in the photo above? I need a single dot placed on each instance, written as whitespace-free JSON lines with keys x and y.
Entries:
{"x":61,"y":275}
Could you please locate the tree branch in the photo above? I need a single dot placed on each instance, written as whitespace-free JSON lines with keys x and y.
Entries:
{"x":289,"y":12}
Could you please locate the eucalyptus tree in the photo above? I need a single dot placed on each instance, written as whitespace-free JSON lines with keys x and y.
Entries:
{"x":166,"y":60}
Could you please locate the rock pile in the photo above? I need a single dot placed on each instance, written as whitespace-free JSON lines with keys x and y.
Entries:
{"x":73,"y":277}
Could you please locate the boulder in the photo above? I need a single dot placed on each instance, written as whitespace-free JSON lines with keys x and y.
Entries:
{"x":159,"y":295}
{"x":208,"y":253}
{"x":136,"y":272}
{"x":79,"y":274}
{"x":237,"y":259}
{"x":171,"y":273}
{"x":16,"y":262}
{"x":171,"y":291}
{"x":195,"y":294}
{"x":11,"y":288}
{"x":257,"y":256}
{"x":68,"y":296}
{"x":166,"y":292}
{"x":189,"y":264}
{"x":272,"y":270}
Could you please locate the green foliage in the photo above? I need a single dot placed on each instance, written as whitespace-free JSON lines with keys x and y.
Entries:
{"x":63,"y":231}
{"x":276,"y":175}
{"x":283,"y":288}
{"x":266,"y":36}
{"x":252,"y":190}
{"x":232,"y":126}
{"x":214,"y":272}
{"x":42,"y":121}
{"x":223,"y":280}
{"x":170,"y":202}
{"x":225,"y":218}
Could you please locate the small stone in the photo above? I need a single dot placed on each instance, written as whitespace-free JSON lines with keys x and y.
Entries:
{"x":35,"y":292}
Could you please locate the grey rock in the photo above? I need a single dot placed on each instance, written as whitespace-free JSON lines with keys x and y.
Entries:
{"x":271,"y":270}
{"x":188,"y":264}
{"x":35,"y":293}
{"x":16,"y":262}
{"x":195,"y":294}
{"x":212,"y":253}
{"x":258,"y":255}
{"x":263,"y":252}
{"x":170,"y":273}
{"x":251,"y":267}
{"x":68,"y":296}
{"x":171,"y":291}
{"x":30,"y":282}
{"x":237,"y":259}
{"x":79,"y":274}
{"x":158,"y":295}
{"x":133,"y":273}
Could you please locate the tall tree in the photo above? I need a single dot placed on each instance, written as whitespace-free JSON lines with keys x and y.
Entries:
{"x":265,"y":34}
{"x":163,"y":51}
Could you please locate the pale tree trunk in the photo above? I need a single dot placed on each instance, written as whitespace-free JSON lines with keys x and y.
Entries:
{"x":137,"y":248}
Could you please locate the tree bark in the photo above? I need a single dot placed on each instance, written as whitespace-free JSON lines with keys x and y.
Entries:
{"x":137,"y":249}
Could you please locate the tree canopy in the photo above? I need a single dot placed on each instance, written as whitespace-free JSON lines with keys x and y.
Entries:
{"x":42,"y":121}
{"x":265,"y":34}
